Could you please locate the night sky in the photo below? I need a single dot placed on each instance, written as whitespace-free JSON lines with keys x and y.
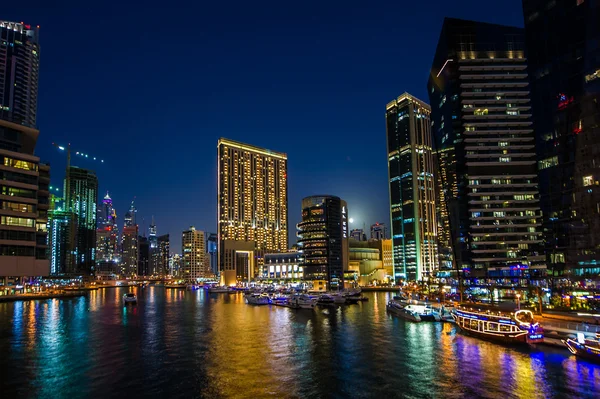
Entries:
{"x":151,"y":86}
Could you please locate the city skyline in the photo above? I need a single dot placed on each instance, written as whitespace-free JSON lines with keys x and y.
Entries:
{"x":318,"y":94}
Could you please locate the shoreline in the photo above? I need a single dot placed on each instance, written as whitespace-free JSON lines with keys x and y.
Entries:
{"x":33,"y":297}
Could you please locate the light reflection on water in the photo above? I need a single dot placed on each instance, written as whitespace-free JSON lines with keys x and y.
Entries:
{"x":195,"y":344}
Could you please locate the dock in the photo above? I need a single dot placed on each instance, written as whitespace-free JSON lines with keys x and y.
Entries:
{"x":34,"y":297}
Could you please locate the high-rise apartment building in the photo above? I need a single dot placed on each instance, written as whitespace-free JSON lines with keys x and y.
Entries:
{"x":130,"y":216}
{"x":412,"y":188}
{"x":155,"y":268}
{"x":323,"y":240}
{"x":130,"y":250}
{"x":62,"y":230}
{"x":212,"y":250}
{"x":379,"y":231}
{"x":143,"y":268}
{"x":252,"y":206}
{"x":81,"y":190}
{"x":24,"y":195}
{"x":194,"y":251}
{"x":481,"y":122}
{"x":358,"y":235}
{"x":564,"y":70}
{"x":163,"y":255}
{"x":19,"y":72}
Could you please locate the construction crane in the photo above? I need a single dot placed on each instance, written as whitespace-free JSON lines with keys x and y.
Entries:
{"x":67,"y":148}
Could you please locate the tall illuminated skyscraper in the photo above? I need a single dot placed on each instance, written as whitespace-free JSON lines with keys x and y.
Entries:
{"x":412,"y":188}
{"x":253,"y":207}
{"x":19,"y":72}
{"x":194,"y":251}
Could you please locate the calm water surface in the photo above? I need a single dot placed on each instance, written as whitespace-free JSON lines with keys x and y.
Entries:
{"x":177,"y":343}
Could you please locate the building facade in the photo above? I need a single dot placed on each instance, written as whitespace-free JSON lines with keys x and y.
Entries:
{"x":323,"y":240}
{"x":143,"y":267}
{"x":481,"y":121}
{"x":163,"y":257}
{"x":194,"y":251}
{"x":358,"y":235}
{"x":81,"y":198}
{"x":24,"y":194}
{"x":379,"y":231}
{"x":252,"y":203}
{"x":19,"y":72}
{"x":564,"y":70}
{"x":212,"y":250}
{"x":130,"y":250}
{"x":283,"y":267}
{"x":412,"y":188}
{"x":62,"y":228}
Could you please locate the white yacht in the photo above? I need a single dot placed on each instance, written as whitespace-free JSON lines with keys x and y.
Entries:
{"x":398,"y":310}
{"x":257,"y":299}
{"x":303,"y":301}
{"x":130,"y":297}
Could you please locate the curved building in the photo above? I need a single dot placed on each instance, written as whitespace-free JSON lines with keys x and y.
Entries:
{"x":323,"y":240}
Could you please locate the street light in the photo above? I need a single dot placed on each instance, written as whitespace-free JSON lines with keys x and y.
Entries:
{"x":518,"y":302}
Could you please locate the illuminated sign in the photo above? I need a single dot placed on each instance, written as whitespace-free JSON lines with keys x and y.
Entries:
{"x":344,"y":222}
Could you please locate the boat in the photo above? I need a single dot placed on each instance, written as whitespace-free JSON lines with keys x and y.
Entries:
{"x":303,"y":301}
{"x":425,"y":312}
{"x":584,"y":347}
{"x":515,"y":328}
{"x":257,"y":299}
{"x":175,"y":286}
{"x":326,"y":300}
{"x":338,"y":298}
{"x":130,"y":297}
{"x":218,"y":290}
{"x":398,"y":309}
{"x":192,"y":287}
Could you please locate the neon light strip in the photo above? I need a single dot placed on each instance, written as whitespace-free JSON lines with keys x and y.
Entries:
{"x":444,"y":66}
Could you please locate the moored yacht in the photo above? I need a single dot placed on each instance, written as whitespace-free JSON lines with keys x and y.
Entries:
{"x":585,"y":347}
{"x":257,"y":299}
{"x":399,"y":310}
{"x":303,"y":301}
{"x":130,"y":297}
{"x":518,"y":327}
{"x":425,"y":312}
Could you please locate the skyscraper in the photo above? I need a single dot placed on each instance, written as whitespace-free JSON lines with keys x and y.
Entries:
{"x":564,"y":69}
{"x":252,"y":205}
{"x":19,"y":72}
{"x":358,"y":235}
{"x":163,"y":255}
{"x":107,"y":242}
{"x":130,"y":216}
{"x":62,"y":230}
{"x":24,"y":193}
{"x":192,"y":246}
{"x":379,"y":231}
{"x":481,"y":121}
{"x":323,"y":240}
{"x":155,"y":268}
{"x":412,"y":188}
{"x":143,"y":268}
{"x":212,"y":249}
{"x":131,"y":252}
{"x":81,"y":198}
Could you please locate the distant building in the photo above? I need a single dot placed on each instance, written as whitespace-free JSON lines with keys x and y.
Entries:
{"x":107,"y":235}
{"x":130,"y":248}
{"x":284,"y":267}
{"x":143,"y":268}
{"x":379,"y":231}
{"x":155,"y":256}
{"x":130,"y":216}
{"x":253,"y":206}
{"x":366,"y":272}
{"x":323,"y":240}
{"x":19,"y":73}
{"x":358,"y":235}
{"x":412,"y":188}
{"x":175,"y":265}
{"x":193,"y":248}
{"x":81,"y":190}
{"x":62,"y":228}
{"x":212,"y":249}
{"x":163,"y":251}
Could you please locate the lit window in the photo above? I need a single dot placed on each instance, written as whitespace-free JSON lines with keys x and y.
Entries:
{"x":480,"y":111}
{"x":588,"y":180}
{"x":504,"y":159}
{"x":548,"y":162}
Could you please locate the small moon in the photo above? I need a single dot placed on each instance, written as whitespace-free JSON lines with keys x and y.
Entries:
{"x":351,"y":220}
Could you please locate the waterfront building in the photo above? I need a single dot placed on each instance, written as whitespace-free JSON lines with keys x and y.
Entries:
{"x":358,"y":235}
{"x":130,"y":248}
{"x":19,"y":73}
{"x":193,"y":248}
{"x":155,"y":268}
{"x":564,"y":70}
{"x":81,"y":191}
{"x":412,"y":188}
{"x":163,"y":255}
{"x":284,"y":267}
{"x":212,"y":249}
{"x":252,"y":207}
{"x":481,"y":121}
{"x":62,"y":229}
{"x":175,"y":265}
{"x":24,"y":194}
{"x":379,"y":231}
{"x":143,"y":268}
{"x":323,"y":240}
{"x":365,"y":265}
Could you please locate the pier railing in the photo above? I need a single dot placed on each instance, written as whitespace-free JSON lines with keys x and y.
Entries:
{"x":580,"y":327}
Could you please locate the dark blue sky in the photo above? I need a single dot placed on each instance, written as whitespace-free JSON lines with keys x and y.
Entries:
{"x":150,"y":87}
